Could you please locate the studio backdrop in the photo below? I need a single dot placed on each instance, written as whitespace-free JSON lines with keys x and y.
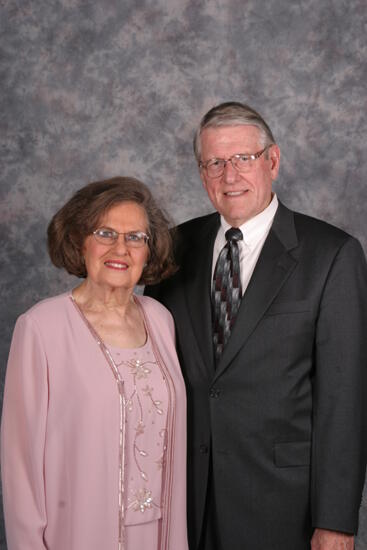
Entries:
{"x":91,"y":90}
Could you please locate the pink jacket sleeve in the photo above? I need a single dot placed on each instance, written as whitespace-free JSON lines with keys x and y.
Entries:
{"x":23,"y":432}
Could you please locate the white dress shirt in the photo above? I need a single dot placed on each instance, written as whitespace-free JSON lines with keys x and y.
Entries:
{"x":254,"y":233}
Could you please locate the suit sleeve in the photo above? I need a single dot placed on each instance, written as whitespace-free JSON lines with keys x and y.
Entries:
{"x":340,"y":408}
{"x":23,"y":432}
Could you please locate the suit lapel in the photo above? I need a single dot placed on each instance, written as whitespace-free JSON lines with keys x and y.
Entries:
{"x":274,"y":266}
{"x":198,"y":287}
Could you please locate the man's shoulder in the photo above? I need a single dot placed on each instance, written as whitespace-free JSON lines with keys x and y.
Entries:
{"x":191,"y":234}
{"x":320,"y":230}
{"x":311,"y":228}
{"x":197,"y":224}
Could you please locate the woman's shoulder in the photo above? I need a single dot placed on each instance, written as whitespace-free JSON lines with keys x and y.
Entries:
{"x":48,"y":309}
{"x":153,"y":307}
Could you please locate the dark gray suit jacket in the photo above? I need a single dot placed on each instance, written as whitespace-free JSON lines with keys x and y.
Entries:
{"x":285,"y":411}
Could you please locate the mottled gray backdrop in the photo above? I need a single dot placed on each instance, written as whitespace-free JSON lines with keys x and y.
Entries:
{"x":93,"y":89}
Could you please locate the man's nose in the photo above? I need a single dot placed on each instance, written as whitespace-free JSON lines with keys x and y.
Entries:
{"x":229,"y":173}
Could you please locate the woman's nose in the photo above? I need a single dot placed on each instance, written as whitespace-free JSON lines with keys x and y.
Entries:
{"x":120,"y":244}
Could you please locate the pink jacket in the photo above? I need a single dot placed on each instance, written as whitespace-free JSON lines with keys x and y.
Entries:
{"x":60,"y":434}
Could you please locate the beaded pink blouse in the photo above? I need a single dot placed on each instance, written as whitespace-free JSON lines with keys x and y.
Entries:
{"x":146,"y":401}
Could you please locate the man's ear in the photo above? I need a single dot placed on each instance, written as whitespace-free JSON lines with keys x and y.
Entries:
{"x":203,"y":180}
{"x":274,"y":156}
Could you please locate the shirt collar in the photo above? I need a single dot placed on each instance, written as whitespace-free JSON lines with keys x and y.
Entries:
{"x":254,"y":229}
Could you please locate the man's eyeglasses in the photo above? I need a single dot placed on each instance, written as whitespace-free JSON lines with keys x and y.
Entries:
{"x":133,"y":239}
{"x":241,"y":162}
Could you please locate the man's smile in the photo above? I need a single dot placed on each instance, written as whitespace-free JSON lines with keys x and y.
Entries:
{"x":235,"y":193}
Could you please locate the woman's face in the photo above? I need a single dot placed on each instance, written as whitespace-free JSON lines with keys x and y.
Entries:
{"x":117,"y":265}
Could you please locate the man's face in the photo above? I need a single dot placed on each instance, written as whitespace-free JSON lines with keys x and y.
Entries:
{"x":238,"y":196}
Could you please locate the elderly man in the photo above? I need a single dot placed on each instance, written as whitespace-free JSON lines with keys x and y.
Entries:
{"x":271,"y":313}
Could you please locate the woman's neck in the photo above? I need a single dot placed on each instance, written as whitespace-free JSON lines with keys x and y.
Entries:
{"x":97,"y":298}
{"x":113,"y":314}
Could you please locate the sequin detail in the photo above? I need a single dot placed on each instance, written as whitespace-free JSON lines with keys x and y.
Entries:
{"x":146,"y":416}
{"x":142,"y":500}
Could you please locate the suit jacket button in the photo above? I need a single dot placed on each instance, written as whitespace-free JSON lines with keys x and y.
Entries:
{"x":214,"y":393}
{"x":203,"y":449}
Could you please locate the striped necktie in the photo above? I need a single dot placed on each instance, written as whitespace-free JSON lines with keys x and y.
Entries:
{"x":226,"y":290}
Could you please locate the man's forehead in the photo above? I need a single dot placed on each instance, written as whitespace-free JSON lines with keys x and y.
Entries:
{"x":224,"y":135}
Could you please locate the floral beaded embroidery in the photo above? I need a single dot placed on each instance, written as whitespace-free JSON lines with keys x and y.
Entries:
{"x":148,"y":392}
{"x":142,"y":406}
{"x":142,"y":499}
{"x":137,"y":368}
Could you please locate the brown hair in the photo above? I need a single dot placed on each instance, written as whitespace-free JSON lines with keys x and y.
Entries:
{"x":80,"y":216}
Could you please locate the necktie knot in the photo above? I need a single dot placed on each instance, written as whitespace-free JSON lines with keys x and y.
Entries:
{"x":234,"y":234}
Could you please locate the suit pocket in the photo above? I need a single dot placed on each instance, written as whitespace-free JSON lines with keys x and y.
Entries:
{"x":292,"y":454}
{"x":278,"y":308}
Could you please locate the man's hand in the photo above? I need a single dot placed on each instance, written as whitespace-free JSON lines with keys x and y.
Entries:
{"x":323,"y":539}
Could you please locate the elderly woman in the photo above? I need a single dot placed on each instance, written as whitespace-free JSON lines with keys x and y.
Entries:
{"x":93,"y":427}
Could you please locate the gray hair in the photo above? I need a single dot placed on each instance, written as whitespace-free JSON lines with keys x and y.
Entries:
{"x":232,"y":113}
